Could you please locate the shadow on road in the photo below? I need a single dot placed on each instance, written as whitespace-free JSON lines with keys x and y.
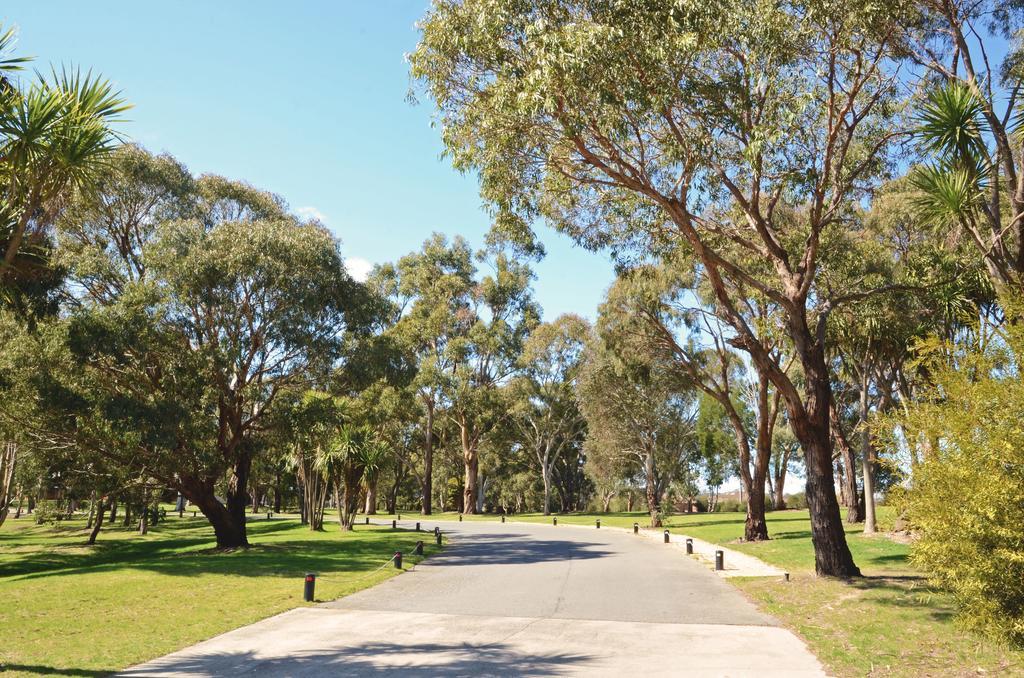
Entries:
{"x":418,"y":660}
{"x":514,"y":549}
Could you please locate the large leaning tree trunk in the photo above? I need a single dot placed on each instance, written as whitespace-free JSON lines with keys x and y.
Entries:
{"x":427,"y":487}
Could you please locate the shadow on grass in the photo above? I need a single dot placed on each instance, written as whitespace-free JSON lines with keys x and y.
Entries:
{"x":186,"y":550}
{"x":908,"y":592}
{"x":39,"y":670}
{"x":414,"y":659}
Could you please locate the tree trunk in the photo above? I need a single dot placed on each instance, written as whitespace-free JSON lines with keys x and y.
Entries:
{"x":236,"y":492}
{"x":546,"y":474}
{"x":867,"y":457}
{"x":371,"y":498}
{"x":849,"y":486}
{"x":809,"y":421}
{"x":277,"y":492}
{"x":471,"y":462}
{"x":8,"y":457}
{"x":428,"y":461}
{"x":651,"y":491}
{"x":100,"y":512}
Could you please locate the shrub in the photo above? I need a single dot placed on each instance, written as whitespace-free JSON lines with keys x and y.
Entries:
{"x":965,"y":501}
{"x":796,"y":501}
{"x":731,"y":506}
{"x":47,"y":512}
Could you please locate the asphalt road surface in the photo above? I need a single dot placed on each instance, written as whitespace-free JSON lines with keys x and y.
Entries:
{"x":517,"y":599}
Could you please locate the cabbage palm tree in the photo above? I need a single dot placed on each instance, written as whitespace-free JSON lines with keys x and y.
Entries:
{"x":971,"y":187}
{"x":55,"y":133}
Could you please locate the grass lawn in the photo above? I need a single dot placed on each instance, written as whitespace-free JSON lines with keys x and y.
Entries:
{"x":69,"y":609}
{"x":889,"y":623}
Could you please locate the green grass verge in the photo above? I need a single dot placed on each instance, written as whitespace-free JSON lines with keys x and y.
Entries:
{"x":70,"y":609}
{"x":888,"y":623}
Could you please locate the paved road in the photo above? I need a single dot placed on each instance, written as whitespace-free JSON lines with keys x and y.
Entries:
{"x":518,"y":599}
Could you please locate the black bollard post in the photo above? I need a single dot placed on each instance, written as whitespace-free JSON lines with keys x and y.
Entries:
{"x":666,"y":536}
{"x":398,"y":560}
{"x":785,"y":576}
{"x":181,"y":513}
{"x":367,"y":520}
{"x":636,"y":528}
{"x":399,"y":516}
{"x":418,"y":551}
{"x":307,"y":594}
{"x":598,"y":523}
{"x":503,"y":518}
{"x":554,"y":521}
{"x":417,"y":527}
{"x":193,"y":514}
{"x":394,"y":524}
{"x":719,"y":560}
{"x":689,"y":547}
{"x":437,"y":530}
{"x":437,"y":537}
{"x":268,"y":515}
{"x":460,"y":517}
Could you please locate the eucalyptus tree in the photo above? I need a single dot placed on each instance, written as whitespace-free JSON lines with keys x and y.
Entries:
{"x":547,"y":413}
{"x":629,"y":126}
{"x":56,"y":134}
{"x":640,"y":423}
{"x":656,"y":310}
{"x":197,"y":305}
{"x":431,"y":292}
{"x":485,"y":358}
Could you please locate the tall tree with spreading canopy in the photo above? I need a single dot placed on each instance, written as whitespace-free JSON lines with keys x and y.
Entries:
{"x":630,"y":126}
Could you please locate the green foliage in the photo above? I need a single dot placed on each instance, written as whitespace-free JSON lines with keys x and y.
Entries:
{"x":964,"y":501}
{"x":48,"y":512}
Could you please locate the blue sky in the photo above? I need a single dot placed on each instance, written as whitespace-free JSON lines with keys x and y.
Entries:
{"x":306,"y":99}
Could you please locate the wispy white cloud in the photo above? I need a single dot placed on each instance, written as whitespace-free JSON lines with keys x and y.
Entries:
{"x":311,"y":213}
{"x":358,"y":267}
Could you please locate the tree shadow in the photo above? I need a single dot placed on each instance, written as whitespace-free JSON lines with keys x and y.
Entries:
{"x":907,"y":591}
{"x":384,"y":659}
{"x":514,"y":549}
{"x":186,"y":550}
{"x":40,"y":670}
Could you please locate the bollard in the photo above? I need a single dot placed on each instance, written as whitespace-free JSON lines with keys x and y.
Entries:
{"x":785,"y":576}
{"x":689,"y":547}
{"x":268,"y":515}
{"x":636,"y":528}
{"x":181,"y":513}
{"x":367,"y":520}
{"x":666,"y":536}
{"x":193,"y":514}
{"x":554,"y":521}
{"x":598,"y":523}
{"x":417,"y":527}
{"x":503,"y":518}
{"x":719,"y":560}
{"x":398,"y":560}
{"x":437,"y":537}
{"x":307,"y":594}
{"x":437,"y":530}
{"x":418,"y":551}
{"x":399,"y":516}
{"x":394,"y":524}
{"x":460,"y":517}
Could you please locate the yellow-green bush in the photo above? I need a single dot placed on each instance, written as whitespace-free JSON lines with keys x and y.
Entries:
{"x":966,"y":495}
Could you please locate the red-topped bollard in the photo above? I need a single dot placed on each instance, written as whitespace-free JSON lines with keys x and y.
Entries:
{"x":398,"y":560}
{"x":307,"y":593}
